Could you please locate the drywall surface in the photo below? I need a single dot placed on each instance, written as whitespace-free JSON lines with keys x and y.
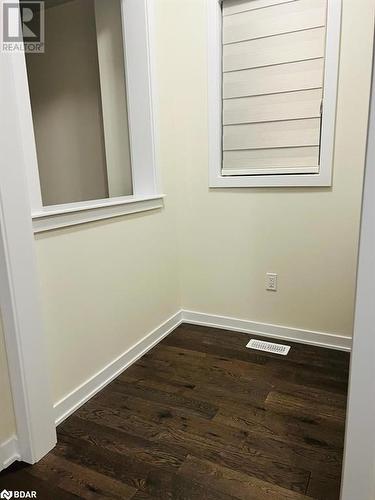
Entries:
{"x":106,"y":285}
{"x":232,"y":237}
{"x":7,"y":419}
{"x":67,"y":111}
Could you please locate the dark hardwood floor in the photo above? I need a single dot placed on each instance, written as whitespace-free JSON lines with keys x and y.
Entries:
{"x":202,"y":417}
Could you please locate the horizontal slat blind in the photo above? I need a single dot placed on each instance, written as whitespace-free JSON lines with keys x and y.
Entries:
{"x":273,"y":66}
{"x":234,"y":6}
{"x":263,"y":160}
{"x":274,"y":79}
{"x":274,"y":20}
{"x":274,"y":107}
{"x":279,"y":49}
{"x":294,"y":133}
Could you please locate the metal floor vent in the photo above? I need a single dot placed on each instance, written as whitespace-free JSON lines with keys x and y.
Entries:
{"x":261,"y":345}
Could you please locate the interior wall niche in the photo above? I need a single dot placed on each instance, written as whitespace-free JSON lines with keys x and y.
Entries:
{"x":79,"y":106}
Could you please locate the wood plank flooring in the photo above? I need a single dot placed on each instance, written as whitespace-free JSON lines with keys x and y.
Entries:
{"x":202,"y":417}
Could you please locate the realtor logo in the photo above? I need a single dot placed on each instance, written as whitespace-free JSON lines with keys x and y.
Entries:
{"x":23,"y":26}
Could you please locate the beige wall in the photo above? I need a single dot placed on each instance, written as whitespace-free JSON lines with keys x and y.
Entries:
{"x":65,"y":90}
{"x":7,"y":419}
{"x":106,"y":285}
{"x":232,"y":237}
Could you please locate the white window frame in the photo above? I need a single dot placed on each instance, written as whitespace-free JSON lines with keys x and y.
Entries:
{"x":137,"y":23}
{"x":215,"y":130}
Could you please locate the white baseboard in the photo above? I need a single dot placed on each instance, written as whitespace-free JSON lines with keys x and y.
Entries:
{"x":88,"y":389}
{"x":321,"y":339}
{"x":9,"y":452}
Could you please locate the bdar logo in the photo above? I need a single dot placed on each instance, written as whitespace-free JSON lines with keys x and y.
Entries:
{"x":6,"y":494}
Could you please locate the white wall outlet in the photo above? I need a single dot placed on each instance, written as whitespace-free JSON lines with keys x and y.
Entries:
{"x":271,"y":282}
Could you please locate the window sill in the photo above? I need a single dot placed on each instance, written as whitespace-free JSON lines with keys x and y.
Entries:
{"x":81,"y":213}
{"x":322,"y":179}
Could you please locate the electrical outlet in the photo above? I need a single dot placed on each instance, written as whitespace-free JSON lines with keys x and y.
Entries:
{"x":271,"y":282}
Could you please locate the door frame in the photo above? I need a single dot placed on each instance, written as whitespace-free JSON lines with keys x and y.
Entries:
{"x":19,"y":288}
{"x":359,"y":455}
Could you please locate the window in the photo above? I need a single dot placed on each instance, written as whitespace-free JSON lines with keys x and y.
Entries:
{"x":277,"y":63}
{"x":87,"y":113}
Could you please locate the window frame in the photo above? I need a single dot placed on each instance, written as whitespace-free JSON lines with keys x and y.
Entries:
{"x":330,"y":89}
{"x":138,"y":39}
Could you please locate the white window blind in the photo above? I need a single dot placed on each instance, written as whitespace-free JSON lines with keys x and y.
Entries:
{"x":273,"y":68}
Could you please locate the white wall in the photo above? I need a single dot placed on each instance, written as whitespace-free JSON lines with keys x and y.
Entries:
{"x":7,"y":419}
{"x":232,"y":237}
{"x":106,"y":285}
